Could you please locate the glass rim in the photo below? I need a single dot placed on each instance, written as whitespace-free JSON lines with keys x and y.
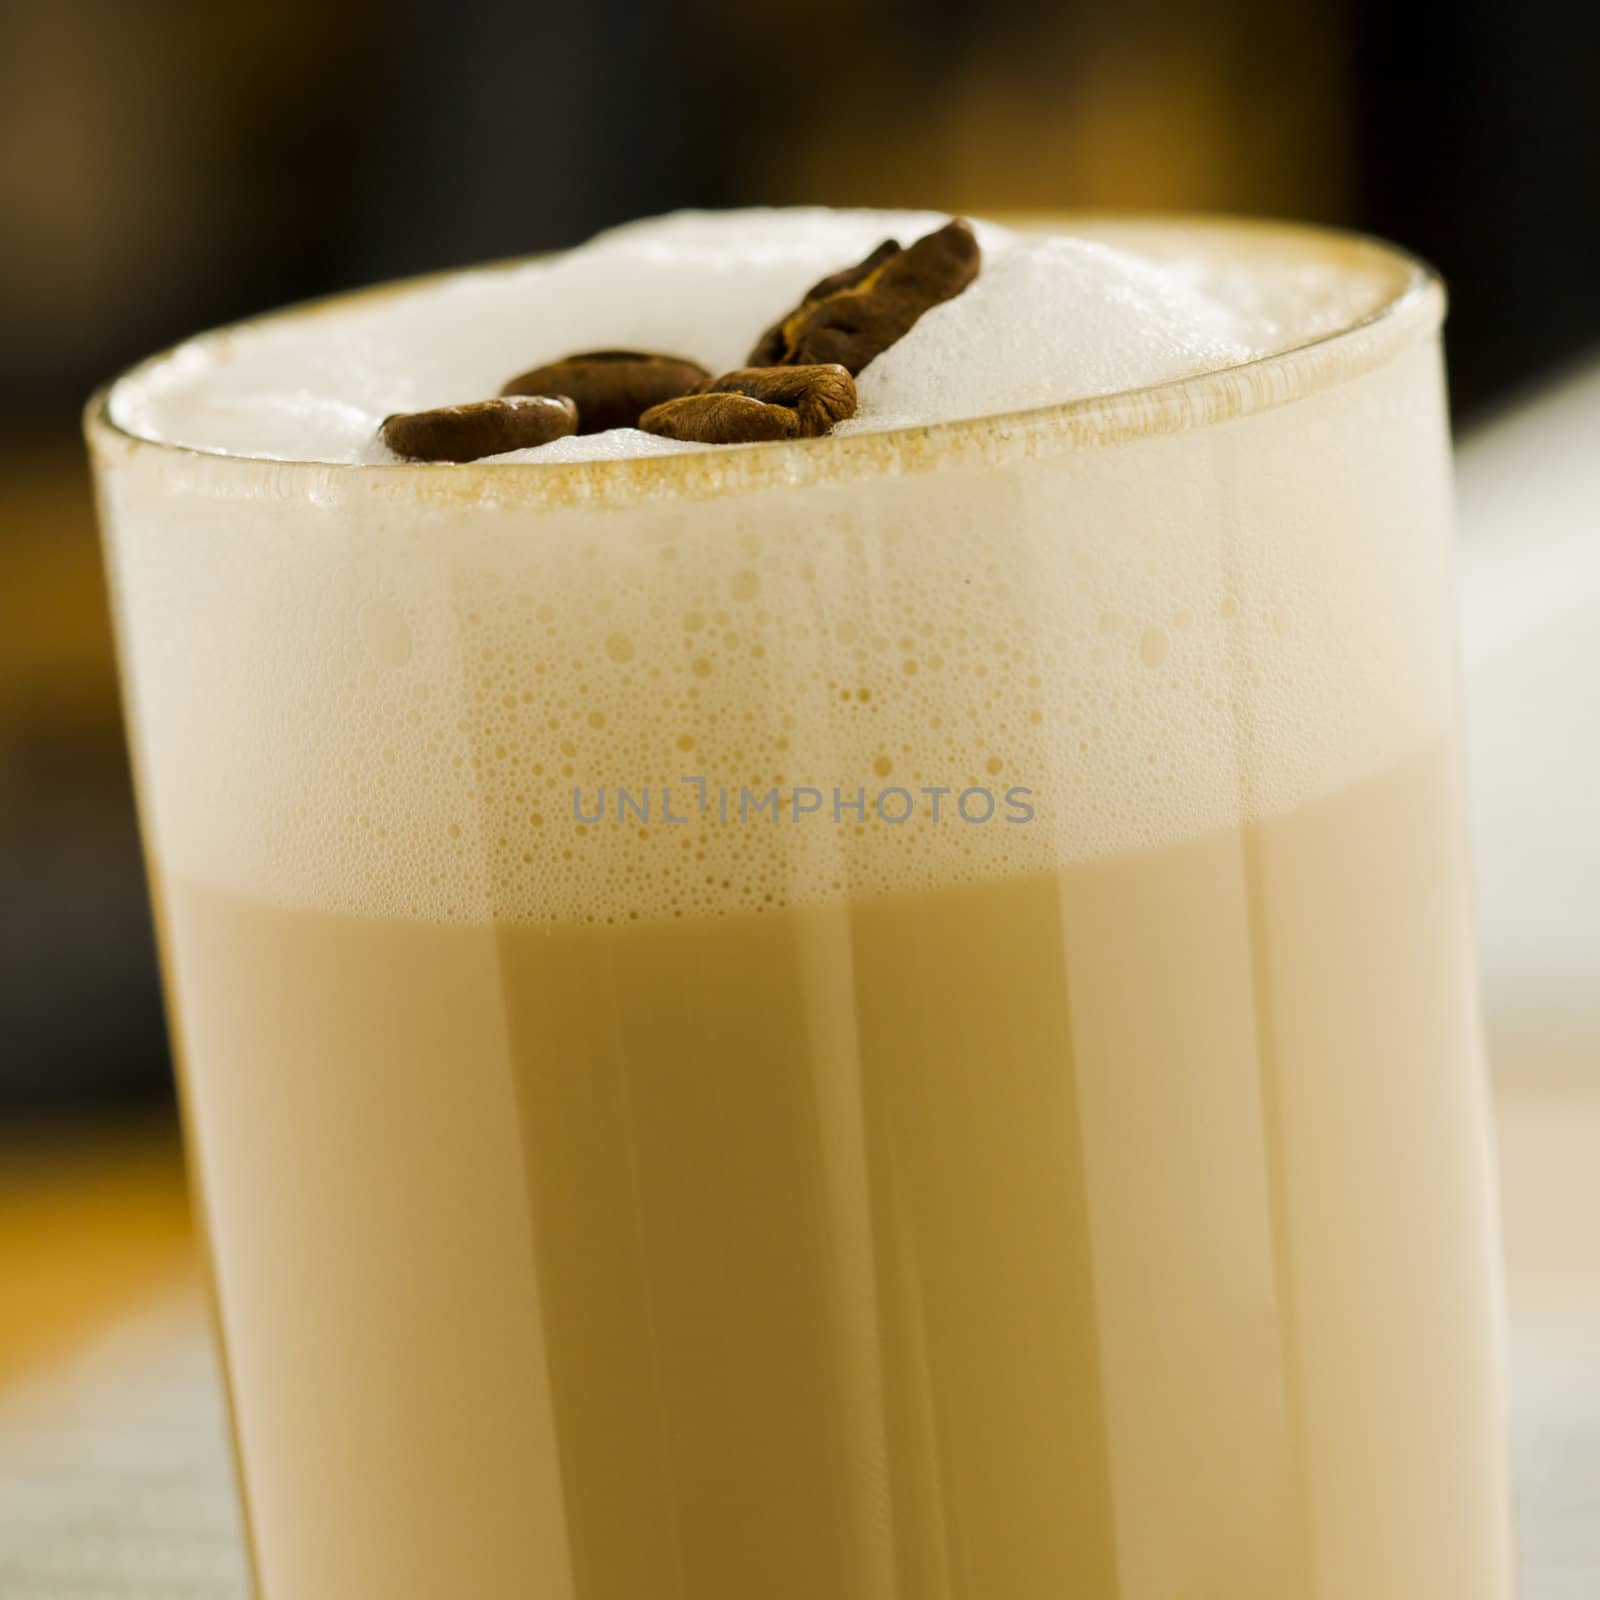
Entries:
{"x":1413,"y":308}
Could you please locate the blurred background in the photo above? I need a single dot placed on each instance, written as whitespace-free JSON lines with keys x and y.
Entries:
{"x":175,"y":164}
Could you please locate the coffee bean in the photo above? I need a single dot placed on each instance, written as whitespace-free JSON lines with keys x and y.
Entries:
{"x":819,"y":395}
{"x":720,"y":419}
{"x":799,"y":384}
{"x":611,"y":388}
{"x":758,"y":403}
{"x":774,"y":345}
{"x":484,"y":428}
{"x":855,"y":315}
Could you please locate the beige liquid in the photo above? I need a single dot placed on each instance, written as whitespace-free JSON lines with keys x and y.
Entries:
{"x":1117,"y":1233}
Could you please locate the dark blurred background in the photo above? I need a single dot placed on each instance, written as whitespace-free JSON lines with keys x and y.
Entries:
{"x":173,"y":164}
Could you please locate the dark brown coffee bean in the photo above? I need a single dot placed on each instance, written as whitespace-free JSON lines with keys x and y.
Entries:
{"x":720,"y":419}
{"x":878,"y":303}
{"x":774,"y":345}
{"x":612,"y":388}
{"x":484,"y":428}
{"x":819,"y":395}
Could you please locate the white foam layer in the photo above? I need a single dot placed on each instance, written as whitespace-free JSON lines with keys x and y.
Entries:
{"x":1049,"y":319}
{"x":354,"y":691}
{"x":1052,"y":319}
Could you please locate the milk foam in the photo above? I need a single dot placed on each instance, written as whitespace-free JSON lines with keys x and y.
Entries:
{"x":353,"y":695}
{"x":1049,"y":319}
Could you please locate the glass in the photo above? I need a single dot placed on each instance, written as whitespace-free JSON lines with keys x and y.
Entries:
{"x":882,"y":1017}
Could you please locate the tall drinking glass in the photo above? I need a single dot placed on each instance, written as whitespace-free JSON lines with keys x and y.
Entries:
{"x":884,"y":1018}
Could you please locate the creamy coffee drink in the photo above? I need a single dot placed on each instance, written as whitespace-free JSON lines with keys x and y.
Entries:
{"x":885,"y":1016}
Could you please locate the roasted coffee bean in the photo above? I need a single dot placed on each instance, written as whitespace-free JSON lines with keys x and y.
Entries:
{"x":774,"y":345}
{"x":757,"y":403}
{"x":484,"y":428}
{"x":612,"y":388}
{"x":878,"y":304}
{"x":721,"y":419}
{"x":819,"y":395}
